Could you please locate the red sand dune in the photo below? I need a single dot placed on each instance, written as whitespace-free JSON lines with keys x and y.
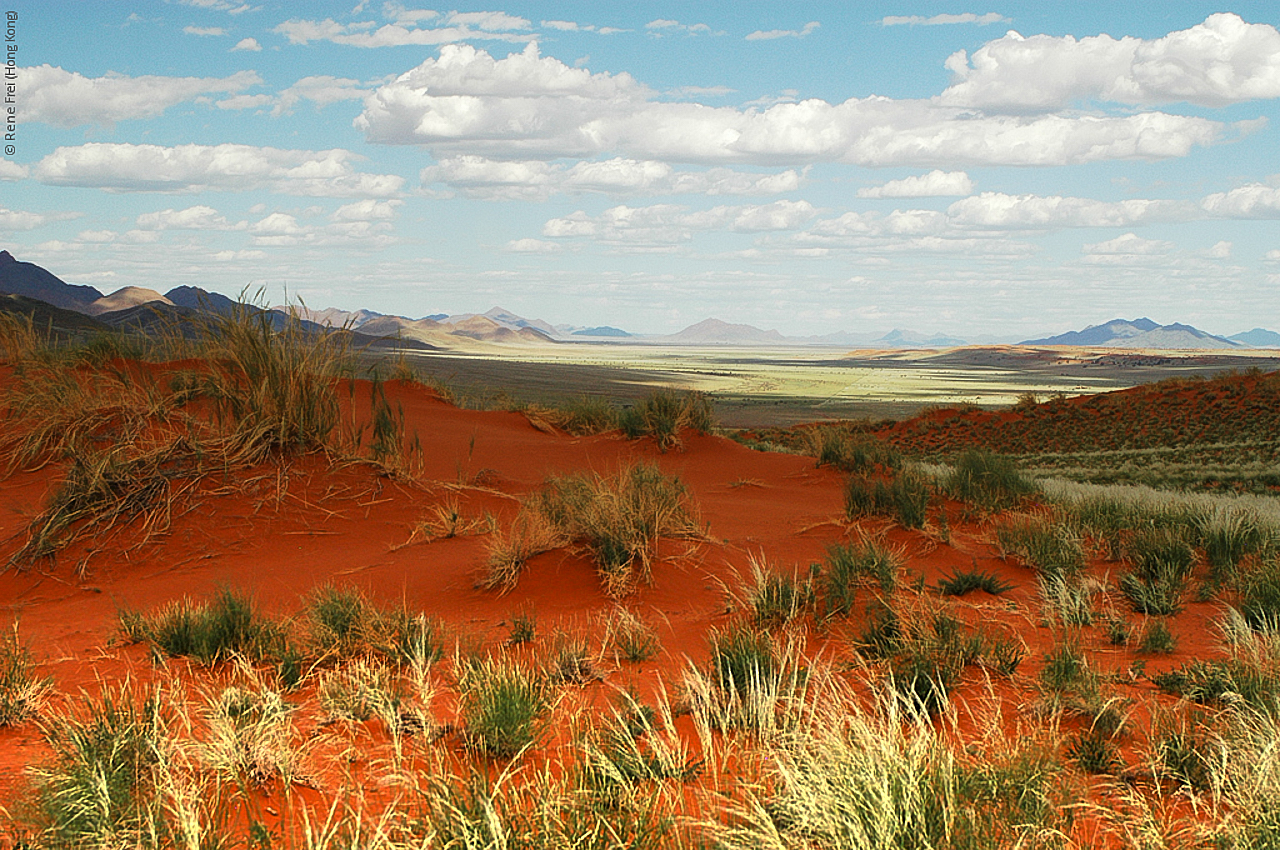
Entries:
{"x":281,"y":530}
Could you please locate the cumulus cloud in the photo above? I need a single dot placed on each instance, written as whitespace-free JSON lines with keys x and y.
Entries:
{"x":529,"y":106}
{"x":454,"y":27}
{"x":1255,"y":200}
{"x":939,"y":20}
{"x":1218,"y":62}
{"x":1129,"y":244}
{"x":1219,"y":251}
{"x":996,"y":210}
{"x":204,"y":30}
{"x":1273,"y":256}
{"x":767,"y":35}
{"x":12,"y":171}
{"x":66,"y":99}
{"x":489,"y":179}
{"x":367,"y":210}
{"x":355,"y":225}
{"x":935,"y":184}
{"x":666,"y":26}
{"x":229,"y":6}
{"x":534,"y":246}
{"x":670,"y":224}
{"x":11,"y":220}
{"x":250,"y":44}
{"x":227,"y":167}
{"x":199,"y":217}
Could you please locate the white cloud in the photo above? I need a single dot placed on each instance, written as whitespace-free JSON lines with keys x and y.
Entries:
{"x":11,"y":220}
{"x":66,"y":99}
{"x":528,"y":106}
{"x":1273,"y":256}
{"x":534,"y":246}
{"x":1130,"y":244}
{"x":231,"y":7}
{"x":320,"y":90}
{"x":250,"y":44}
{"x":1255,"y":200}
{"x":247,"y":101}
{"x":935,"y":184}
{"x":361,"y":225}
{"x":996,"y":210}
{"x":456,"y":27}
{"x":1218,"y":62}
{"x":766,"y":35}
{"x":536,"y":180}
{"x":204,"y":30}
{"x":227,"y":167}
{"x":367,"y":210}
{"x":12,"y":171}
{"x":670,"y":224}
{"x":937,"y":20}
{"x":662,"y":26}
{"x":199,"y":217}
{"x":96,"y":236}
{"x":1220,"y":251}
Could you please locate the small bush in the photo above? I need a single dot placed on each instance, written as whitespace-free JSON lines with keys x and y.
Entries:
{"x":906,"y":498}
{"x":206,"y":631}
{"x":665,"y":414}
{"x":1094,"y":752}
{"x":22,"y":693}
{"x":581,"y":416}
{"x":742,"y":659}
{"x":1156,"y":638}
{"x":340,"y":621}
{"x":631,"y":638}
{"x":990,"y":481}
{"x":503,"y":707}
{"x":1051,"y":548}
{"x":1162,"y":563}
{"x":960,"y":583}
{"x":847,"y":568}
{"x":1260,"y":595}
{"x":775,"y":598}
{"x":835,"y":447}
{"x":96,"y":787}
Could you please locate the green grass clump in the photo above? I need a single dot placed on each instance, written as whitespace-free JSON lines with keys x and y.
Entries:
{"x":1227,"y":681}
{"x":619,"y":519}
{"x":905,"y":497}
{"x":97,"y":786}
{"x":631,"y":638}
{"x":743,"y":660}
{"x":990,"y":481}
{"x":208,"y":631}
{"x":665,"y":415}
{"x":1157,"y":639}
{"x":22,"y":692}
{"x":846,"y":568}
{"x":1259,"y":588}
{"x":836,"y":447}
{"x":776,"y":598}
{"x":503,"y":707}
{"x":1051,"y":548}
{"x":961,"y":582}
{"x":1162,"y":563}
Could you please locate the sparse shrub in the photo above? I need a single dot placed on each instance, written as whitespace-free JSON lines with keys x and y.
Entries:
{"x":1005,"y":655}
{"x":503,"y":707}
{"x":959,"y":583}
{"x":523,"y":628}
{"x":664,"y":414}
{"x":1162,"y":562}
{"x":1156,"y":638}
{"x":619,"y":519}
{"x":1117,"y":630}
{"x":22,"y":692}
{"x":206,"y":631}
{"x":1185,"y":750}
{"x":1260,"y":595}
{"x":905,"y":497}
{"x":990,"y":481}
{"x":743,"y":659}
{"x":1094,"y":751}
{"x":776,"y":598}
{"x":571,"y":661}
{"x":340,"y":620}
{"x":846,"y":568}
{"x":360,"y":690}
{"x":630,"y":637}
{"x":1227,"y":681}
{"x":1051,"y":548}
{"x":96,"y":787}
{"x":836,"y":447}
{"x":1068,"y":598}
{"x":410,"y":640}
{"x":581,"y":416}
{"x":249,"y":736}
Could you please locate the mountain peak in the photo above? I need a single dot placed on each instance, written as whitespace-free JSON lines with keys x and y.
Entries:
{"x":6,"y":258}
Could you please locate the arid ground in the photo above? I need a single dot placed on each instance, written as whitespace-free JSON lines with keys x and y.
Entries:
{"x":396,"y":621}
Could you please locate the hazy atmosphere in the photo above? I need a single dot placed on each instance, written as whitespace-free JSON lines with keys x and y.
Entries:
{"x":997,"y":171}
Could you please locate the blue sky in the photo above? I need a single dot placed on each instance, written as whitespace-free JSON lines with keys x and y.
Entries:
{"x":993,"y":170}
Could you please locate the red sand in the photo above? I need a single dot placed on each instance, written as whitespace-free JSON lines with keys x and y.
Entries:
{"x":280,"y":531}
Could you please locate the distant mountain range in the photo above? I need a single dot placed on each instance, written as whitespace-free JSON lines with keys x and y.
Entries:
{"x":137,"y":307}
{"x":1144,"y":333}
